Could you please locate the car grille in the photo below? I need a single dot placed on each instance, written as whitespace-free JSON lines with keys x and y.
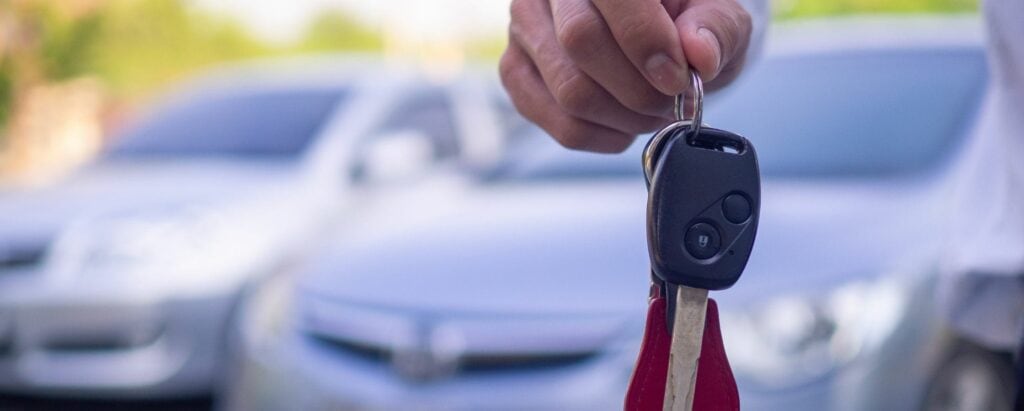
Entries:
{"x":6,"y":334}
{"x":102,"y":340}
{"x":492,"y":363}
{"x":418,"y":347}
{"x":470,"y":363}
{"x":14,"y":256}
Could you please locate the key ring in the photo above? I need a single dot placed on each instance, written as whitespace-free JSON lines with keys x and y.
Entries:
{"x":698,"y":102}
{"x":654,"y":144}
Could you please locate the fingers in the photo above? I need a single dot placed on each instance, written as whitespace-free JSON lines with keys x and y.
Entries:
{"x":551,"y":89}
{"x":645,"y":32}
{"x":585,"y":38}
{"x":715,"y":35}
{"x":593,"y":73}
{"x":531,"y":97}
{"x":574,"y":91}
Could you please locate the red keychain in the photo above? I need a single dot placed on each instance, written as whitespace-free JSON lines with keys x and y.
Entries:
{"x":715,"y":388}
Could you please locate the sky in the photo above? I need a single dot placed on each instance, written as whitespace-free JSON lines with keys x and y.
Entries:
{"x":284,"y":20}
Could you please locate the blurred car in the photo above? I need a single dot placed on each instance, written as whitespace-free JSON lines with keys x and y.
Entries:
{"x":525,"y":287}
{"x":121,"y":279}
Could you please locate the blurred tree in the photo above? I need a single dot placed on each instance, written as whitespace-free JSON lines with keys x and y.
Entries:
{"x":335,"y":31}
{"x":66,"y":43}
{"x":6,"y":94}
{"x":49,"y":50}
{"x":789,"y":9}
{"x":145,"y":43}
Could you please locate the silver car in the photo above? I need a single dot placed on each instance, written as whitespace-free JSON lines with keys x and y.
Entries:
{"x":120,"y":280}
{"x":525,"y":287}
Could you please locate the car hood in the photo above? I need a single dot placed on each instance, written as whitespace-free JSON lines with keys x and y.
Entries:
{"x":581,"y":248}
{"x":816,"y":236}
{"x":119,"y":187}
{"x":506,"y":248}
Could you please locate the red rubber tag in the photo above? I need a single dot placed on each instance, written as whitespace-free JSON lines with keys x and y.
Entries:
{"x":715,"y":387}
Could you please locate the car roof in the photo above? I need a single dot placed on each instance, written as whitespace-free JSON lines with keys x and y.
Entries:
{"x":311,"y":71}
{"x":874,"y":33}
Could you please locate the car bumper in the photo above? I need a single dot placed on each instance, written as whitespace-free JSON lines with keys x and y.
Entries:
{"x":305,"y":373}
{"x":115,"y":345}
{"x":294,"y":371}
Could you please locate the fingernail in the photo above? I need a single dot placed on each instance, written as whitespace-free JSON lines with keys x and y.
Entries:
{"x":667,"y":75}
{"x":712,"y":42}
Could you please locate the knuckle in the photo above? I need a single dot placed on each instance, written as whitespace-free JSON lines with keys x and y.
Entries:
{"x":507,"y":67}
{"x":746,"y":27}
{"x":519,"y":9}
{"x":573,"y":137}
{"x":734,"y":25}
{"x":575,"y":94}
{"x":636,"y":31}
{"x":649,"y":102}
{"x":512,"y":72}
{"x":746,"y":22}
{"x":578,"y":32}
{"x":525,"y":110}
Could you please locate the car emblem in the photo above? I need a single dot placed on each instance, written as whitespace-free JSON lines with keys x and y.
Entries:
{"x":429,"y":358}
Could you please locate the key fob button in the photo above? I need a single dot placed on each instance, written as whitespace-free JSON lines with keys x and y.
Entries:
{"x":702,"y":241}
{"x":736,"y":208}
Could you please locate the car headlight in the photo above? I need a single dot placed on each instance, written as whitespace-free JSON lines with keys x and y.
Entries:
{"x":791,"y":340}
{"x":188,"y":242}
{"x":268,"y":312}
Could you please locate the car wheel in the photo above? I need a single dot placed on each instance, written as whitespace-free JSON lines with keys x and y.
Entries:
{"x":973,"y":378}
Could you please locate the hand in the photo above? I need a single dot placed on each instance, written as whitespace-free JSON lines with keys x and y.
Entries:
{"x":595,"y":73}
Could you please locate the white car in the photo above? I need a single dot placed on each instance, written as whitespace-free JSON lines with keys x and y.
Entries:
{"x":526,"y":289}
{"x":119,"y":281}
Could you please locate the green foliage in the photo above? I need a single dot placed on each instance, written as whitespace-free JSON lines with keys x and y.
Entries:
{"x":6,"y":92}
{"x":136,"y":45}
{"x":334,"y":31}
{"x":790,"y":9}
{"x":65,"y":43}
{"x":149,"y":42}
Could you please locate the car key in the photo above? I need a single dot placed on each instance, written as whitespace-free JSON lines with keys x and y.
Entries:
{"x":702,"y":213}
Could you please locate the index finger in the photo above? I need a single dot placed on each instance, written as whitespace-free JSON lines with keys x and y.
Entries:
{"x":648,"y":36}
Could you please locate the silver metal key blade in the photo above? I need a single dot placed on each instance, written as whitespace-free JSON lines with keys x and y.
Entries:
{"x":687,"y":336}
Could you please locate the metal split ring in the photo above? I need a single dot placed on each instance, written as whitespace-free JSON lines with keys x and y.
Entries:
{"x":653,"y":146}
{"x":698,"y":101}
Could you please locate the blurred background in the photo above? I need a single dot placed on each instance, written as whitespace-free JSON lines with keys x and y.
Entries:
{"x":331,"y":204}
{"x":108,"y":57}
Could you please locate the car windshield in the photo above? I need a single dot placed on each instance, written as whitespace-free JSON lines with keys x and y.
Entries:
{"x":852,"y":114}
{"x":259,"y":123}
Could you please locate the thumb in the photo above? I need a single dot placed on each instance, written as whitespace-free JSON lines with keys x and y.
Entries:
{"x":715,"y":35}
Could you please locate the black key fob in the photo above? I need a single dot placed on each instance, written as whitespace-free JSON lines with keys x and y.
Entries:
{"x":705,"y":195}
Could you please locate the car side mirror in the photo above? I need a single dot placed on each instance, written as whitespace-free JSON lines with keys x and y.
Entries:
{"x":394,"y":157}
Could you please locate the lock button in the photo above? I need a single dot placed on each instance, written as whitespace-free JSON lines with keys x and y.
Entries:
{"x":702,"y":241}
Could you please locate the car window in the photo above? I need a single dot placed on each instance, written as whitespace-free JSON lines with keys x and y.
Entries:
{"x":270,"y":123}
{"x":852,"y":114}
{"x":427,"y":111}
{"x":855,"y":114}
